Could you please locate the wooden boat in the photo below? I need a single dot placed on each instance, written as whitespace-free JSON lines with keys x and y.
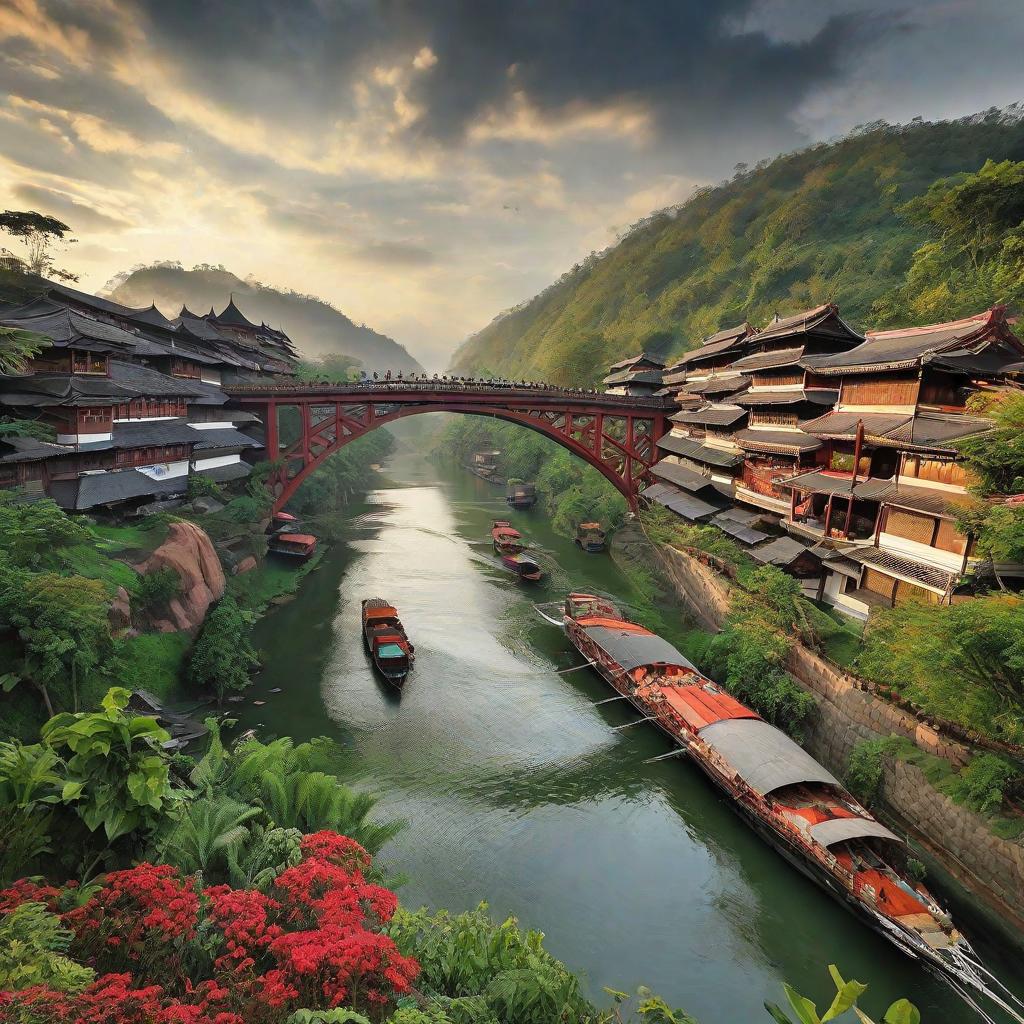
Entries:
{"x":293,"y":545}
{"x":506,"y":539}
{"x":386,"y":643}
{"x":525,"y":567}
{"x":520,"y":494}
{"x":791,"y":801}
{"x":282,"y":522}
{"x":485,"y":465}
{"x":590,"y":537}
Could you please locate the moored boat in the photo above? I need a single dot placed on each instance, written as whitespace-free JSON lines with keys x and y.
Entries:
{"x":520,"y":494}
{"x":590,"y":537}
{"x":523,"y":565}
{"x":293,"y":545}
{"x":386,"y":641}
{"x":790,"y":800}
{"x":506,"y":539}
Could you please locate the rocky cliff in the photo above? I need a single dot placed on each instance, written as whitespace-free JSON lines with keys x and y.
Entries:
{"x":190,"y":553}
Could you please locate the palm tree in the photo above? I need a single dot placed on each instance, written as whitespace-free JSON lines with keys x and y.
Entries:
{"x":208,"y":832}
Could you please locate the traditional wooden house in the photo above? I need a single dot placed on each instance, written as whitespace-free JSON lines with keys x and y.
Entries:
{"x":890,"y":482}
{"x":133,"y":399}
{"x":638,"y":375}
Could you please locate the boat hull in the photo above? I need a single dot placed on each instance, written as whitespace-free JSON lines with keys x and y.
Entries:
{"x":390,"y":676}
{"x":770,"y":835}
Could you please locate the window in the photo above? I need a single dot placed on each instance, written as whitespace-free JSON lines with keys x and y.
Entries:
{"x":88,"y":362}
{"x":773,"y":419}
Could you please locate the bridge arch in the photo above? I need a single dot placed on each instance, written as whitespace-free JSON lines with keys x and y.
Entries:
{"x":614,"y":434}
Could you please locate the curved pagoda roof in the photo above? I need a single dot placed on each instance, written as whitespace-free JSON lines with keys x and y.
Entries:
{"x":232,"y":316}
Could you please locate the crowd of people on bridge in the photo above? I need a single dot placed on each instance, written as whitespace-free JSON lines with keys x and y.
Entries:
{"x":389,"y":380}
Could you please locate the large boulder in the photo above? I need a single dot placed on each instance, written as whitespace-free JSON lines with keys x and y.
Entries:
{"x":189,"y":551}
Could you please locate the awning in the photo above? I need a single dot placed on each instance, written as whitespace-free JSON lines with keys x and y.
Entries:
{"x":688,"y":479}
{"x":838,"y":830}
{"x":781,"y":552}
{"x":762,"y":756}
{"x":742,"y":533}
{"x":683,"y":504}
{"x":631,"y":649}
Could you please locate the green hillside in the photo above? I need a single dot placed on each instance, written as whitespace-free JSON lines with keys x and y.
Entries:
{"x":314,"y":325}
{"x":814,"y":226}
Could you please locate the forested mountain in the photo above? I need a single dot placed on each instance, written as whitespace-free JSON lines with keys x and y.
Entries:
{"x":822,"y":224}
{"x":315,"y":326}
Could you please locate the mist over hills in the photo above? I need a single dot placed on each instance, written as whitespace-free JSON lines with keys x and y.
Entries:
{"x":316,"y":327}
{"x":818,"y":225}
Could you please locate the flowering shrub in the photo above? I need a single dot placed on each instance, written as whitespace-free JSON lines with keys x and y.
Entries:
{"x":166,"y":952}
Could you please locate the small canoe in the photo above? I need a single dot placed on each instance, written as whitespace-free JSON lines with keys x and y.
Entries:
{"x":506,"y":539}
{"x":386,"y":641}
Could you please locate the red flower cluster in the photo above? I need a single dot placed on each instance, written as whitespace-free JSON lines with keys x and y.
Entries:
{"x":314,"y":943}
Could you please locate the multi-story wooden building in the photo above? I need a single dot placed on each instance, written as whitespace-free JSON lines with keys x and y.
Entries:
{"x":134,"y":399}
{"x":848,"y":443}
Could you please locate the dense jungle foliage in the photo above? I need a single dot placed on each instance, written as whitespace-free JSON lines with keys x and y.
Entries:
{"x":824,"y":224}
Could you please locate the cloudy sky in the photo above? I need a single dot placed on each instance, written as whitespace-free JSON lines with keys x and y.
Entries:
{"x":424,"y":165}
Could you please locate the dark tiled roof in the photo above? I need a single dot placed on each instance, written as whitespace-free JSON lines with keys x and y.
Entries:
{"x":786,"y":441}
{"x":741,"y":529}
{"x":224,"y":474}
{"x":152,"y":316}
{"x":844,"y":424}
{"x":820,"y":482}
{"x":929,"y":500}
{"x":92,"y":489}
{"x":820,"y":320}
{"x":44,"y":389}
{"x":908,"y":347}
{"x":634,"y":377}
{"x":69,"y":328}
{"x":691,"y":449}
{"x":232,"y":316}
{"x":733,"y":334}
{"x":915,"y":572}
{"x":719,"y":385}
{"x":815,"y":396}
{"x":782,"y":551}
{"x":683,"y":504}
{"x":931,"y":428}
{"x":148,"y":433}
{"x":709,"y":351}
{"x":769,"y":360}
{"x":682,"y":477}
{"x":145,"y":381}
{"x":721,"y":416}
{"x":29,"y":449}
{"x":633,"y":360}
{"x":222,"y":437}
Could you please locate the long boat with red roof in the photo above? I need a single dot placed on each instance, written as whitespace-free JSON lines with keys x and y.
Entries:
{"x":792,"y":801}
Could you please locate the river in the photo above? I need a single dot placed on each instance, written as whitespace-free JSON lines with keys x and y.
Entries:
{"x":516,"y":789}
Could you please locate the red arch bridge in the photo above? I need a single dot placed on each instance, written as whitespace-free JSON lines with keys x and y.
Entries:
{"x":616,"y":434}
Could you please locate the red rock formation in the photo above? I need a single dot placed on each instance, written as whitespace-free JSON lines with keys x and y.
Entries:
{"x":120,"y":612}
{"x":190,"y":553}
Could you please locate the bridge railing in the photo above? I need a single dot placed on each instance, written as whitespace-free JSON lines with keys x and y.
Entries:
{"x":378,"y":387}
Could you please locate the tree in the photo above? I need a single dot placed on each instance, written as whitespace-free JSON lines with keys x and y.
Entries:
{"x":32,"y":534}
{"x":40,"y":234}
{"x":117,"y":774}
{"x":223,"y":655}
{"x":17,"y":347}
{"x":62,"y":622}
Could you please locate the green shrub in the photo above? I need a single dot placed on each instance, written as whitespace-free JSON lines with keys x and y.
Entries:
{"x":33,"y":945}
{"x":246,"y":509}
{"x":866,"y":766}
{"x":223,"y":655}
{"x":155,"y":589}
{"x":200,"y":486}
{"x":983,"y":783}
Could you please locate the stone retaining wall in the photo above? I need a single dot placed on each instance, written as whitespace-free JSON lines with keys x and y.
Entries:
{"x":957,"y":837}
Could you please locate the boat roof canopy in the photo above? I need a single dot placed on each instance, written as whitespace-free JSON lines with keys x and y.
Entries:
{"x":763,"y":757}
{"x":296,"y":538}
{"x":838,"y":830}
{"x":632,"y":649}
{"x":381,"y":611}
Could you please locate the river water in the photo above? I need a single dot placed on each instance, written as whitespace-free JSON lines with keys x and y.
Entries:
{"x":516,"y":789}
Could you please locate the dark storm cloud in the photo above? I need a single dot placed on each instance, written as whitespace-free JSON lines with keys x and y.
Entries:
{"x":676,"y":58}
{"x":67,"y":208}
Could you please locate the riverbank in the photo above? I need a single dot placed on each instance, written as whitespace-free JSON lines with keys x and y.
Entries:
{"x":961,"y":840}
